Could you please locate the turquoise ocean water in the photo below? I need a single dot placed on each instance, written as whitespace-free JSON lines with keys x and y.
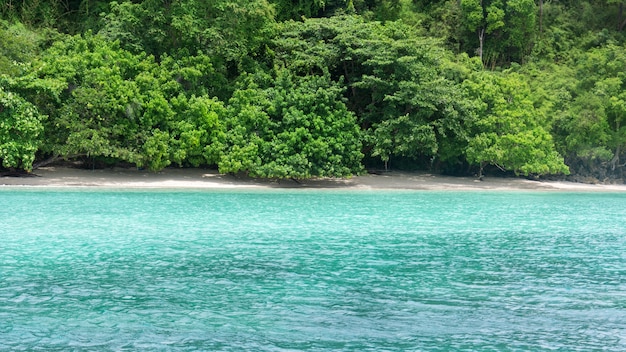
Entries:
{"x":312,"y":270}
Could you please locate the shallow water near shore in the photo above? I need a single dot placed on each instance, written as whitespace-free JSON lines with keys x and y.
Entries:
{"x":312,"y":270}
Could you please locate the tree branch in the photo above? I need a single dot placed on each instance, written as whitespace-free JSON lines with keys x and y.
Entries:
{"x":45,"y":162}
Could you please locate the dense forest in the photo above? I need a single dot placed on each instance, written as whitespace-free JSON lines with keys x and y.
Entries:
{"x":315,"y":88}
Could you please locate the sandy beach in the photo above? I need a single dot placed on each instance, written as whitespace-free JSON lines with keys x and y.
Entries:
{"x":174,"y":178}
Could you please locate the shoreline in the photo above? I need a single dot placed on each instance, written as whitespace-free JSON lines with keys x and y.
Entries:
{"x":175,"y":178}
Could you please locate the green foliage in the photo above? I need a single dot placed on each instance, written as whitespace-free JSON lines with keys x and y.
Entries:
{"x":106,"y":102}
{"x":383,"y":10}
{"x":288,"y":9}
{"x":510,"y":133}
{"x":198,"y":130}
{"x":585,"y":129}
{"x":473,"y":14}
{"x":20,"y":131}
{"x":297,"y":128}
{"x":99,"y":100}
{"x":18,"y":46}
{"x":67,"y":16}
{"x":32,"y":12}
{"x":221,"y":83}
{"x":230,"y":35}
{"x":124,"y":23}
{"x":228,"y":29}
{"x":594,"y":126}
{"x":397,"y":84}
{"x":499,"y":30}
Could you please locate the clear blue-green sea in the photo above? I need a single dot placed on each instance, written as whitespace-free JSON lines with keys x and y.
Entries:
{"x":312,"y":270}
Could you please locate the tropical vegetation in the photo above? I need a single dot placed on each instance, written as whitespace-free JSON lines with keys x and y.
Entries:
{"x":314,"y":88}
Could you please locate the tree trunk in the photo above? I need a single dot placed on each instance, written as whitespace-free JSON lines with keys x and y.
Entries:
{"x":348,"y":80}
{"x":54,"y":158}
{"x":48,"y":161}
{"x":615,"y":160}
{"x":480,"y":171}
{"x":541,"y":17}
{"x":481,"y":40}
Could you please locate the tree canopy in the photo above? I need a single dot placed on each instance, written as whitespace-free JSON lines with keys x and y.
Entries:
{"x":284,"y":89}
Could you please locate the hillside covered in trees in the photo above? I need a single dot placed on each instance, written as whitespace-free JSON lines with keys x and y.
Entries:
{"x":308,"y":88}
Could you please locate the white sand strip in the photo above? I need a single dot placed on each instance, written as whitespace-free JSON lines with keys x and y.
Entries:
{"x":174,"y":178}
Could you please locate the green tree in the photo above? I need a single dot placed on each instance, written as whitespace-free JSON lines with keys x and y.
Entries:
{"x":20,"y":131}
{"x":593,"y":128}
{"x":198,"y":130}
{"x":295,"y":10}
{"x":510,"y":132}
{"x":397,"y":84}
{"x":18,"y":46}
{"x":105,"y":102}
{"x":383,"y":10}
{"x":230,"y":32}
{"x":502,"y":30}
{"x":297,"y":127}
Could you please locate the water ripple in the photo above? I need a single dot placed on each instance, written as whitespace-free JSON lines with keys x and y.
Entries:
{"x":273,"y":271}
